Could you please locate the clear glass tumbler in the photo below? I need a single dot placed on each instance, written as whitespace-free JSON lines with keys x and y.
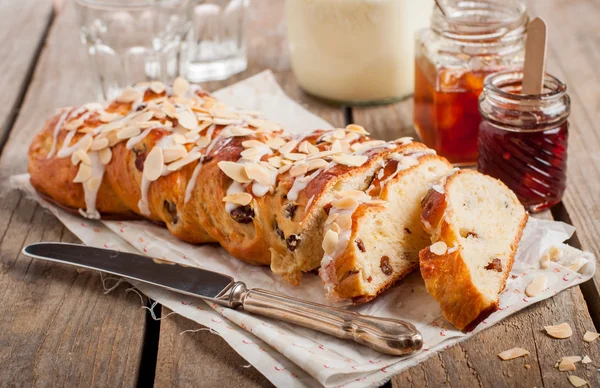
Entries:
{"x":131,"y":41}
{"x":217,"y":40}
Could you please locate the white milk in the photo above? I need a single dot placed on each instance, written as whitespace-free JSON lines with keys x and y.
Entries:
{"x":355,"y":50}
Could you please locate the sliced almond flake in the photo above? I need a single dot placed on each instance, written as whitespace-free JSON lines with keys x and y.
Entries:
{"x":180,"y":163}
{"x":252,"y":144}
{"x":285,"y":168}
{"x":182,"y":101}
{"x":315,"y":164}
{"x":366,"y":145}
{"x":83,"y":174}
{"x":275,"y":143}
{"x":157,"y":87}
{"x":335,"y":227}
{"x":264,"y":124}
{"x":83,"y":156}
{"x":566,"y":365}
{"x":312,"y":149}
{"x":331,"y":217}
{"x":238,"y":198}
{"x":351,"y":160}
{"x":339,"y":133}
{"x":322,"y":154}
{"x":275,"y":161}
{"x":536,"y":286}
{"x":105,"y":155}
{"x":438,"y":248}
{"x":288,"y":147}
{"x":99,"y":143}
{"x":577,"y":381}
{"x":259,"y":173}
{"x":235,"y":171}
{"x":179,"y":138}
{"x":252,"y":152}
{"x":141,"y":117}
{"x":93,"y":184}
{"x":295,"y":156}
{"x":330,"y":242}
{"x":226,"y":113}
{"x":106,"y":117}
{"x":93,"y":106}
{"x":128,"y":132}
{"x":73,"y":124}
{"x":590,"y":336}
{"x":180,"y":86}
{"x":356,"y":194}
{"x":586,"y":360}
{"x":512,"y":353}
{"x":219,"y":121}
{"x":169,"y":109}
{"x":203,"y":141}
{"x":345,"y":203}
{"x":344,"y":221}
{"x":153,"y":165}
{"x":299,"y":169}
{"x":187,"y":120}
{"x":571,"y":358}
{"x":112,"y":139}
{"x":404,"y":140}
{"x":351,"y":136}
{"x":130,"y":95}
{"x":168,"y":124}
{"x":202,"y":126}
{"x":559,"y":331}
{"x":85,"y":142}
{"x":303,"y":147}
{"x":173,"y":153}
{"x":357,"y":129}
{"x":336,"y":146}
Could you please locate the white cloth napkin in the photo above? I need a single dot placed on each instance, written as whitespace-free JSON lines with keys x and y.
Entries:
{"x":291,"y":356}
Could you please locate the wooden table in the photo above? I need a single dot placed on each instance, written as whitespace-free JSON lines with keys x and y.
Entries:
{"x":57,"y":326}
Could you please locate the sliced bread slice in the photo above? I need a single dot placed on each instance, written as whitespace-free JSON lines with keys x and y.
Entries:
{"x":375,"y":239}
{"x":475,"y":223}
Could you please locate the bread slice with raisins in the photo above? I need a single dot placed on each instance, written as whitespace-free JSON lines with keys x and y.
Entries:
{"x":475,"y":223}
{"x":374,"y":238}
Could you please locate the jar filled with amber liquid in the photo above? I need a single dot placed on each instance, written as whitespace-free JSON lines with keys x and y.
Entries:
{"x":523,"y":138}
{"x":466,"y":42}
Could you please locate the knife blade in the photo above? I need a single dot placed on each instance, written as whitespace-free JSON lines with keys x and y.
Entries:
{"x":386,"y":335}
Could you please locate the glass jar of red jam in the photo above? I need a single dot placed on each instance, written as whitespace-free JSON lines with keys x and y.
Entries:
{"x":465,"y":43}
{"x":523,"y":138}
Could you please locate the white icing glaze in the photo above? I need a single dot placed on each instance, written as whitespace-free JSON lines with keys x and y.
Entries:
{"x":66,"y":150}
{"x":92,"y":194}
{"x":56,"y":131}
{"x":192,"y":182}
{"x":300,"y":184}
{"x":136,"y":139}
{"x":233,"y":188}
{"x":143,"y":202}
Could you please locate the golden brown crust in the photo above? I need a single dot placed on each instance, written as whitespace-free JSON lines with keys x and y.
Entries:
{"x":447,"y":276}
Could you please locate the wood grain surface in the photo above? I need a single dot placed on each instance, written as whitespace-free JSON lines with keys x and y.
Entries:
{"x":59,"y":328}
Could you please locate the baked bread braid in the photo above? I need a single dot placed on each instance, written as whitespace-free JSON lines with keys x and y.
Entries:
{"x":210,"y":173}
{"x":466,"y":267}
{"x":374,"y":240}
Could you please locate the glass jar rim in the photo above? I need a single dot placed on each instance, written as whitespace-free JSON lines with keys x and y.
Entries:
{"x":466,"y":22}
{"x":496,"y":83}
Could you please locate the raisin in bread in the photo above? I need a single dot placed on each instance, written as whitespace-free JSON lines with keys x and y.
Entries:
{"x":475,"y":223}
{"x":373,"y":238}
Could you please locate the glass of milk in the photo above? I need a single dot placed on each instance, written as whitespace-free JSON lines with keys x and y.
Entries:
{"x":355,"y":52}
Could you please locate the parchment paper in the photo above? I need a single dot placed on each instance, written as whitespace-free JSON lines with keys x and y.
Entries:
{"x":291,"y":356}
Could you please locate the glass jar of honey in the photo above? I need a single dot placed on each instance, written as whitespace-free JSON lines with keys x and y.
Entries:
{"x":523,"y":138}
{"x":466,"y":42}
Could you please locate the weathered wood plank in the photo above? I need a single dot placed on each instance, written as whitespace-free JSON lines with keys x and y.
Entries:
{"x":20,"y":47}
{"x":574,"y":50}
{"x":191,"y":359}
{"x":57,"y":326}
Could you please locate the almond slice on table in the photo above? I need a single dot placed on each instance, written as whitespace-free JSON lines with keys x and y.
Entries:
{"x":330,"y":242}
{"x":439,"y":248}
{"x":153,"y":165}
{"x":590,"y":336}
{"x":105,"y":155}
{"x":512,"y":353}
{"x":559,"y":331}
{"x":566,"y":365}
{"x":577,"y":381}
{"x":180,"y":86}
{"x":586,"y":360}
{"x":536,"y":286}
{"x":238,"y":198}
{"x":235,"y":171}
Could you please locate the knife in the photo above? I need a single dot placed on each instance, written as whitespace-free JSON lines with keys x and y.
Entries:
{"x":389,"y":336}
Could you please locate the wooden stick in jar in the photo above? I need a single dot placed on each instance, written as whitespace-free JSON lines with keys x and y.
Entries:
{"x":535,"y":57}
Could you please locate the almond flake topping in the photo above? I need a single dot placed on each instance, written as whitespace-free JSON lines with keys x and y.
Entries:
{"x":345,"y":203}
{"x":312,"y":149}
{"x":536,"y":286}
{"x":344,"y":221}
{"x":180,"y":163}
{"x":366,"y":145}
{"x":238,"y":198}
{"x":590,"y":336}
{"x":128,"y":132}
{"x":180,"y":86}
{"x":339,"y":133}
{"x":187,"y":120}
{"x":106,"y":117}
{"x":566,"y":365}
{"x":99,"y":143}
{"x":157,"y":87}
{"x":130,"y":95}
{"x":153,"y":165}
{"x":330,"y":242}
{"x":335,"y":227}
{"x":404,"y":140}
{"x":169,"y":109}
{"x":105,"y":155}
{"x":83,"y":174}
{"x":577,"y":381}
{"x":351,"y":160}
{"x":357,"y":129}
{"x":438,"y":248}
{"x":559,"y":331}
{"x":315,"y":164}
{"x":288,"y":147}
{"x":512,"y":353}
{"x":263,"y":124}
{"x":173,"y":153}
{"x":276,"y":143}
{"x":252,"y":144}
{"x":303,"y":147}
{"x":275,"y":161}
{"x":299,"y":169}
{"x":259,"y":173}
{"x":356,"y":194}
{"x":235,"y":171}
{"x":80,"y":156}
{"x":295,"y":156}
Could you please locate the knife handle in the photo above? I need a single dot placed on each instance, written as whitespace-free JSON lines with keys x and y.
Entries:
{"x":389,"y":336}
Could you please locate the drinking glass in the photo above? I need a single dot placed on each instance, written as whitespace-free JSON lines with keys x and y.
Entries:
{"x":217,"y":40}
{"x":130,"y":41}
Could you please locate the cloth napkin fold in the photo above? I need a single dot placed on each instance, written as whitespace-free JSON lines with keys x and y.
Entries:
{"x":291,"y":356}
